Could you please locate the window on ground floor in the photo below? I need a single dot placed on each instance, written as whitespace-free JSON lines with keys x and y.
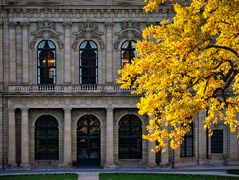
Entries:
{"x":130,"y":137}
{"x":217,"y":141}
{"x":186,"y":148}
{"x":46,"y":138}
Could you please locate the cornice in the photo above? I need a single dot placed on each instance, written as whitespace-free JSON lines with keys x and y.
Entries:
{"x":83,"y":11}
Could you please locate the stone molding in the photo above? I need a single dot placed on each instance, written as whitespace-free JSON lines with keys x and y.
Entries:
{"x":46,"y":30}
{"x":130,"y":31}
{"x":12,"y":25}
{"x":85,"y":11}
{"x":25,"y":25}
{"x":67,"y":25}
{"x":88,"y":31}
{"x":109,"y":25}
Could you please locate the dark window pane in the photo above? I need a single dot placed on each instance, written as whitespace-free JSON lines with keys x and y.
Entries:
{"x":128,"y":52}
{"x":186,"y":149}
{"x":217,"y":141}
{"x":88,"y":140}
{"x":46,"y":63}
{"x":46,"y":138}
{"x":88,"y":63}
{"x":130,"y":137}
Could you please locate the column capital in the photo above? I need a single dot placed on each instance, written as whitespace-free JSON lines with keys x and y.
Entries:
{"x":67,"y":25}
{"x":25,"y":25}
{"x":109,"y":25}
{"x":24,"y":108}
{"x":67,"y":109}
{"x":11,"y":109}
{"x":109,"y":108}
{"x":12,"y":24}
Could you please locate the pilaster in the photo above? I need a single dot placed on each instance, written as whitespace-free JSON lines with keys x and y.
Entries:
{"x":109,"y":52}
{"x":151,"y":155}
{"x":11,"y":138}
{"x":202,"y":139}
{"x":25,"y":138}
{"x":165,"y":157}
{"x":1,"y":56}
{"x":25,"y":48}
{"x":109,"y":139}
{"x":1,"y":133}
{"x":67,"y":137}
{"x":67,"y":52}
{"x":12,"y":72}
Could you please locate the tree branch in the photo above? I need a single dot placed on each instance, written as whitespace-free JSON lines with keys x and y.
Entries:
{"x":224,"y":47}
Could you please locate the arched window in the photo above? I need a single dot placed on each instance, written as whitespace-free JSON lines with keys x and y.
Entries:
{"x":46,"y":138}
{"x":130,"y":137}
{"x":128,"y":52}
{"x":46,"y":62}
{"x":88,"y":62}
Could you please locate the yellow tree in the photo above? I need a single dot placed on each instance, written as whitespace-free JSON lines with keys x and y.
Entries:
{"x":185,"y":66}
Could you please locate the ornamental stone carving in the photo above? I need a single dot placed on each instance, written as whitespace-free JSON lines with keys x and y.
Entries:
{"x":88,"y":31}
{"x":130,"y":30}
{"x":45,"y":31}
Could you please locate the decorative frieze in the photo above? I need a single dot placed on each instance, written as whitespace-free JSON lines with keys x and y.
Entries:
{"x":46,"y":30}
{"x":130,"y":31}
{"x":88,"y":30}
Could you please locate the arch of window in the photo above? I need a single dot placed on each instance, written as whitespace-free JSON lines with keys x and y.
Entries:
{"x":88,"y":62}
{"x":130,"y":137}
{"x":128,"y":52}
{"x":46,"y":62}
{"x":46,"y":138}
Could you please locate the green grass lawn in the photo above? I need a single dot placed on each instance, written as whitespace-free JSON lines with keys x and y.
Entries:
{"x":41,"y":177}
{"x":106,"y":176}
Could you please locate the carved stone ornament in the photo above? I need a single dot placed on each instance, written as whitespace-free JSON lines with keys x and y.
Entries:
{"x":46,"y":30}
{"x":129,"y":31}
{"x":88,"y":31}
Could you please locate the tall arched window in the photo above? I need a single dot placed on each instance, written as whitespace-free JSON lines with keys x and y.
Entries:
{"x":46,"y":138}
{"x":128,"y":52}
{"x":130,"y":137}
{"x":88,"y":141}
{"x":88,"y":62}
{"x":46,"y":63}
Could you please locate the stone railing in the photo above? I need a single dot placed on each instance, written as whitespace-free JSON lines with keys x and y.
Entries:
{"x":28,"y":89}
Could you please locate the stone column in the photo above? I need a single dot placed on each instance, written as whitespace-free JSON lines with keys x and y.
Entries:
{"x":67,"y":52}
{"x":12,"y":68}
{"x":165,"y":157}
{"x":11,"y":138}
{"x":67,"y":137}
{"x":151,"y":155}
{"x":1,"y":56}
{"x":202,"y":149}
{"x":25,"y":138}
{"x":25,"y":47}
{"x":109,"y":139}
{"x":109,"y":52}
{"x":1,"y":132}
{"x":196,"y":138}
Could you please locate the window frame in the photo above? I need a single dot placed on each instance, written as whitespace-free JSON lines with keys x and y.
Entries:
{"x":46,"y":127}
{"x":218,"y":144}
{"x":81,"y":67}
{"x":184,"y":146}
{"x":131,"y":138}
{"x":131,"y":49}
{"x":47,"y":67}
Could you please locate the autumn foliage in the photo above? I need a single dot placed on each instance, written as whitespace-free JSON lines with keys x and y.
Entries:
{"x":186,"y":66}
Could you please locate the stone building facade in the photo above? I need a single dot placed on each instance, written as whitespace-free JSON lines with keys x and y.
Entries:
{"x":59,"y":101}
